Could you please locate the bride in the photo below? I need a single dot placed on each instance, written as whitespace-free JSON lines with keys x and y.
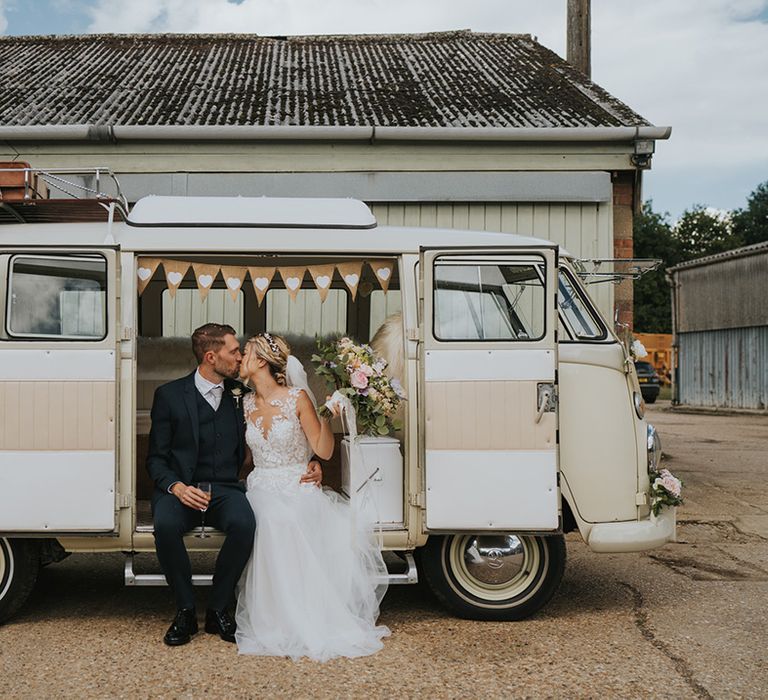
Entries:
{"x":313,"y":584}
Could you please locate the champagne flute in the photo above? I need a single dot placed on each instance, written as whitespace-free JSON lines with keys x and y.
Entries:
{"x":205,"y":487}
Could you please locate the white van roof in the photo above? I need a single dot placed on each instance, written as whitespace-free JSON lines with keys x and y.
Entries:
{"x":231,"y":225}
{"x":277,"y":212}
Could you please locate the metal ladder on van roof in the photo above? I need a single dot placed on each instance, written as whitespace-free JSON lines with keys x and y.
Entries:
{"x":59,"y":195}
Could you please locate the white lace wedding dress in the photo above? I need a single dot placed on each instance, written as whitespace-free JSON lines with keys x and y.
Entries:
{"x":316,"y":577}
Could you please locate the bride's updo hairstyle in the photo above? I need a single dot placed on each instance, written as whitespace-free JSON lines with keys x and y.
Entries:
{"x":274,"y":351}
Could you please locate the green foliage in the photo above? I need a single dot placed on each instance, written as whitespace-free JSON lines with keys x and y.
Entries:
{"x":700,"y":232}
{"x":653,"y":238}
{"x":750,"y":225}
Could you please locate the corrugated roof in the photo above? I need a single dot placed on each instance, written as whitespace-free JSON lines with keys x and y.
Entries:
{"x":743,"y":252}
{"x":454,"y":79}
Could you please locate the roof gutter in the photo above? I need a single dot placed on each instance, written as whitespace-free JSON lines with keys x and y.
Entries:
{"x":117,"y":133}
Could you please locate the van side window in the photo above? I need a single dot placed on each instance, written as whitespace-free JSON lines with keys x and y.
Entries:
{"x":488,"y":300}
{"x":59,"y":297}
{"x":187,"y":311}
{"x":580,"y":319}
{"x":307,"y":315}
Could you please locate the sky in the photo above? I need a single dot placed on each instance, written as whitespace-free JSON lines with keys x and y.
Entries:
{"x":699,"y":66}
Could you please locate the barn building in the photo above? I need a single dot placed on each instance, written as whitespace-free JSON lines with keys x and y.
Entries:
{"x":461,"y":130}
{"x":720,"y":324}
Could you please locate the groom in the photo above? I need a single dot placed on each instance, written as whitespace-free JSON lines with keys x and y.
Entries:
{"x":198,"y":434}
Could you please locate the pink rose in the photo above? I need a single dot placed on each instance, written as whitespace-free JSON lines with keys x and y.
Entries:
{"x":358,"y":379}
{"x":672,"y":484}
{"x":367,"y":370}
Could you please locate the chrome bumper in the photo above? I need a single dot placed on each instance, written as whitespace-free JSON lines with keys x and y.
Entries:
{"x":636,"y":535}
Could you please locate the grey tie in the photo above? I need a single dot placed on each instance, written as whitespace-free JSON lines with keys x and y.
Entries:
{"x":216,"y":392}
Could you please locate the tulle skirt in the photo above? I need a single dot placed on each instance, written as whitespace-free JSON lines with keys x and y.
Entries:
{"x":313,"y":584}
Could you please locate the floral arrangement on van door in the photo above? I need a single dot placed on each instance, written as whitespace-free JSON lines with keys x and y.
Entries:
{"x":666,"y":490}
{"x":356,"y":372}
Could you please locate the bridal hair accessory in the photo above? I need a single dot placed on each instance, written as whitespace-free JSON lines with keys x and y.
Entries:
{"x":271,"y":342}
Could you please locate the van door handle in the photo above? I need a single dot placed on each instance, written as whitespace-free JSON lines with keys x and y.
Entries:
{"x":545,"y":393}
{"x":543,"y":401}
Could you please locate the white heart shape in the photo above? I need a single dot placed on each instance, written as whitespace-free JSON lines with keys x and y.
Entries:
{"x":261,"y":283}
{"x":293,"y":283}
{"x":383,"y":273}
{"x":323,"y":281}
{"x":175,"y":278}
{"x":144,"y":273}
{"x":352,"y":279}
{"x":205,"y":280}
{"x":233,"y":282}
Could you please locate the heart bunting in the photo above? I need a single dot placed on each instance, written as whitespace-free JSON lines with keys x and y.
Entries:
{"x":350,"y":272}
{"x":233,"y":279}
{"x":383,"y":271}
{"x":205,"y":276}
{"x":175,"y":270}
{"x":323,"y":277}
{"x":261,"y":278}
{"x":144,"y":272}
{"x":292,"y":279}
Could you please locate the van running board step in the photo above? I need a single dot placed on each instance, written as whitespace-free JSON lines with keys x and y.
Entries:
{"x":410,"y":575}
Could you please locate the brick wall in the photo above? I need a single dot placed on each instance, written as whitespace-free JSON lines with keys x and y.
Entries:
{"x":623,"y":199}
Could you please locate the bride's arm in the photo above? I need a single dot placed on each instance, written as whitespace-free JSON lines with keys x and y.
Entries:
{"x":317,"y":430}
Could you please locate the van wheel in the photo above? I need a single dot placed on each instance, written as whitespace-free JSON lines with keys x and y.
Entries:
{"x":19,"y":564}
{"x":494,"y":577}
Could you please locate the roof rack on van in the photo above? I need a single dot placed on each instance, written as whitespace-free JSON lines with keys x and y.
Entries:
{"x":616,"y":270}
{"x":59,"y":195}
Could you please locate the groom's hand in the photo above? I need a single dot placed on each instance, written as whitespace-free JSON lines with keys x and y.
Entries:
{"x":190,"y":496}
{"x":313,"y":475}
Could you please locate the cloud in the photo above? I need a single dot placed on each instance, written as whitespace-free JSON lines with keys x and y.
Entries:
{"x":3,"y":18}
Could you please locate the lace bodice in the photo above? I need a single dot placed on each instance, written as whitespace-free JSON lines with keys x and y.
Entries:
{"x":284,"y":444}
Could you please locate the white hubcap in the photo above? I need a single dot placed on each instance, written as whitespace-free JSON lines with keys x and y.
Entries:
{"x":496,"y":568}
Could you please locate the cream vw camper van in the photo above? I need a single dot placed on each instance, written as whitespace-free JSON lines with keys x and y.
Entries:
{"x":524,"y":418}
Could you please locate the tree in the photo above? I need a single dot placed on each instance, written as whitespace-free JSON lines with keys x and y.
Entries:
{"x":653,"y":238}
{"x":701,"y":232}
{"x":750,"y":225}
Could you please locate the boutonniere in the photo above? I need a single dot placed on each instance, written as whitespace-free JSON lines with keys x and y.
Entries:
{"x":237,"y":394}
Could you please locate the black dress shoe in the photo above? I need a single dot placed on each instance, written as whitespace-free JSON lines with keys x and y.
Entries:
{"x":220,"y":622}
{"x":182,"y":628}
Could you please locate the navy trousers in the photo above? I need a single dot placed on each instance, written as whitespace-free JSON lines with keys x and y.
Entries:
{"x":229,"y":512}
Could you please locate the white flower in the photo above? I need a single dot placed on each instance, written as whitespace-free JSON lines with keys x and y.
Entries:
{"x":398,"y":388}
{"x":637,"y":349}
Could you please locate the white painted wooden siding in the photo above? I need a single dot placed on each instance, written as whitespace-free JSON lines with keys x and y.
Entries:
{"x":307,"y":315}
{"x":187,"y":311}
{"x":585,"y":230}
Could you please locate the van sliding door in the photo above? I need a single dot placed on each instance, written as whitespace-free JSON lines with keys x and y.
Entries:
{"x":489,"y":389}
{"x":58,"y":386}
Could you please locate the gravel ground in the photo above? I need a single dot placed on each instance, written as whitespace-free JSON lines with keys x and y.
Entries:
{"x":686,"y":621}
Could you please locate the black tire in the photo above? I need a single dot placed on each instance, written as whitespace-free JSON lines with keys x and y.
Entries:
{"x":651,"y":399}
{"x":518,"y":574}
{"x":19,"y":565}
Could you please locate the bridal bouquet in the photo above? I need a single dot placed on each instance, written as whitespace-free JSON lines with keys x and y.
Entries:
{"x":356,"y":372}
{"x":666,"y":490}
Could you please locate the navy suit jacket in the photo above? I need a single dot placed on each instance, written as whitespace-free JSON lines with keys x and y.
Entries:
{"x":175,"y":433}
